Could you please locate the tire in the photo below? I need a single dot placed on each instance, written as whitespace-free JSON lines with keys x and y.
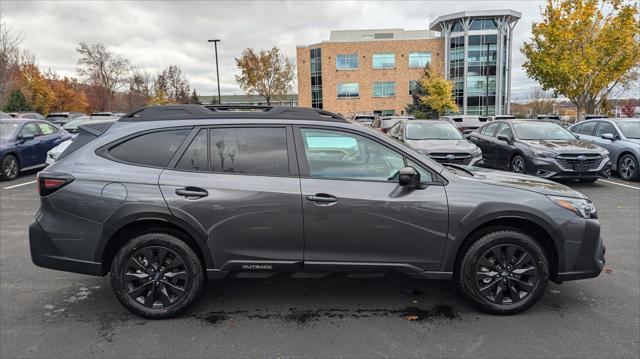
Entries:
{"x":628,"y":168}
{"x":9,"y":168}
{"x":521,"y":286}
{"x":518,"y":165}
{"x":149,"y":290}
{"x":587,"y":180}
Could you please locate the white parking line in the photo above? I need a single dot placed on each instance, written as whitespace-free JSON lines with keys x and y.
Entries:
{"x":20,"y":185}
{"x":619,"y":184}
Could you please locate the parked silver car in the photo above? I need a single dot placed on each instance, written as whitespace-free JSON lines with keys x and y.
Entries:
{"x":620,"y":136}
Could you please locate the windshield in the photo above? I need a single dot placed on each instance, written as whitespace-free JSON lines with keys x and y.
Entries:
{"x":630,"y":129}
{"x":73,"y":124}
{"x":541,"y":131}
{"x":432,"y":131}
{"x":364,"y":119}
{"x":8,"y":129}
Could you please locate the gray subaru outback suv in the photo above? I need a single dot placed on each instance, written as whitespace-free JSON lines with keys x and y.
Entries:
{"x":168,"y":197}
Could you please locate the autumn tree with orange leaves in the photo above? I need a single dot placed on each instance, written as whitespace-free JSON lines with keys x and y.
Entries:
{"x":584,"y":49}
{"x":268,"y":73}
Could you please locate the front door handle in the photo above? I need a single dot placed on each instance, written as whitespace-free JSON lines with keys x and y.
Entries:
{"x":322,"y":198}
{"x":191,"y":192}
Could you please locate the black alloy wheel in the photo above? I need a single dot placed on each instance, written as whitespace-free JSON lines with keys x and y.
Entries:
{"x":10,"y":167}
{"x":156,"y":277}
{"x":506,"y":274}
{"x":628,"y":168}
{"x":518,"y":165}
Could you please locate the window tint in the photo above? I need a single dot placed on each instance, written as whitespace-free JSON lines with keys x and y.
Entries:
{"x":587,"y":128}
{"x":46,"y":129}
{"x":152,"y":149}
{"x":505,"y":130}
{"x":195,"y":157}
{"x":489,"y":129}
{"x":605,"y":127}
{"x":342,"y":155}
{"x":29,"y":129}
{"x":258,"y":151}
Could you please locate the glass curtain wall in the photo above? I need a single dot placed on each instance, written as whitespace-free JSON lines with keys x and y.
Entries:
{"x":481,"y":75}
{"x":315,"y":59}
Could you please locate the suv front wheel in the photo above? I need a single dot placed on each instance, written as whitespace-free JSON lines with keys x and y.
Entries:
{"x":503,"y":272}
{"x":156,"y":275}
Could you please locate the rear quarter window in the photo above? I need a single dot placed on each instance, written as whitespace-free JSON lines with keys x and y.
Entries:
{"x":153,"y":149}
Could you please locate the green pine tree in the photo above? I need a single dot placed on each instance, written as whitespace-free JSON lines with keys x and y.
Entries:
{"x":17,"y":102}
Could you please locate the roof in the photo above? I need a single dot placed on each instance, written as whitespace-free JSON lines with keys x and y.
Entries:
{"x":206,"y":112}
{"x":435,"y":24}
{"x":368,"y":35}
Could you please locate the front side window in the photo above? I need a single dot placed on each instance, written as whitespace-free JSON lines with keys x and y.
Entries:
{"x":489,"y":129}
{"x":605,"y":127}
{"x":253,"y":151}
{"x":195,"y":157}
{"x":504,"y":130}
{"x":384,"y":61}
{"x":153,"y":149}
{"x":586,"y":128}
{"x":342,"y":155}
{"x":348,"y":90}
{"x":347,"y":62}
{"x":384,"y":89}
{"x":419,"y":59}
{"x":29,"y":129}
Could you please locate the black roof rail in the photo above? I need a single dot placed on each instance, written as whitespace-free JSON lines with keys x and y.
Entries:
{"x":194,"y":112}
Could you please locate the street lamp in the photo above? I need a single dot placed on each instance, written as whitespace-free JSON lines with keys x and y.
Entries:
{"x":215,"y":46}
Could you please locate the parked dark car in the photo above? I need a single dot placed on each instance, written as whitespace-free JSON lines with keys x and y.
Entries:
{"x":540,"y":148}
{"x":24,"y":145}
{"x":619,"y":136}
{"x":60,"y":118}
{"x":383,"y":124}
{"x":169,"y":196}
{"x":437,"y":139}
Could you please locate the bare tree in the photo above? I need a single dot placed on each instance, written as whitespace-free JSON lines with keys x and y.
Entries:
{"x":140,"y":88}
{"x":99,"y":66}
{"x":268,"y":73}
{"x":540,"y":101}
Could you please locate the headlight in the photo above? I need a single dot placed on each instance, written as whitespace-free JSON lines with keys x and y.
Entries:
{"x":604,"y":153}
{"x":580,"y":206}
{"x":541,"y":153}
{"x":477,"y":152}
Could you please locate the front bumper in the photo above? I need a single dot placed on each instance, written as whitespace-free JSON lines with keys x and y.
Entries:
{"x":551,"y":168}
{"x":44,"y":253}
{"x":583,"y":259}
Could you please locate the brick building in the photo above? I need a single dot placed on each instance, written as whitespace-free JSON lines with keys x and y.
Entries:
{"x":373,"y":71}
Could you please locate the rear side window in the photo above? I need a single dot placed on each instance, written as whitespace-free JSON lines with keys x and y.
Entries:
{"x":257,"y":151}
{"x":195,"y":157}
{"x":153,"y":149}
{"x":46,"y":129}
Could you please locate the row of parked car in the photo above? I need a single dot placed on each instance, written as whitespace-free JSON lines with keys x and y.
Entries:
{"x":29,"y":140}
{"x":542,"y":147}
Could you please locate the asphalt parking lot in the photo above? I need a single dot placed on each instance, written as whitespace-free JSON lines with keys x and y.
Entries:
{"x":46,"y":313}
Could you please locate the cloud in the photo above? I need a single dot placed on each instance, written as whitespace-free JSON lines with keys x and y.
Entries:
{"x":154,"y":35}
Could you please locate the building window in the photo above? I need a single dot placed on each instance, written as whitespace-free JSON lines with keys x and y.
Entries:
{"x":347,"y":62}
{"x":315,"y":60}
{"x":419,"y":59}
{"x":413,"y":85}
{"x":483,"y":24}
{"x":348,"y":90}
{"x":384,"y":61}
{"x":384,"y":112}
{"x":457,"y":26}
{"x":387,"y":35}
{"x":384,"y":89}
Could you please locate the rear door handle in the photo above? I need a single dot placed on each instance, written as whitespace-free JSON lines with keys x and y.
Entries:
{"x":322,"y":198}
{"x":192,"y":192}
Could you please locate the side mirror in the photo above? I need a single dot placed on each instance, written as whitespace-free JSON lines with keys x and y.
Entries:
{"x":608,"y":136}
{"x":409,"y":177}
{"x":504,"y":138}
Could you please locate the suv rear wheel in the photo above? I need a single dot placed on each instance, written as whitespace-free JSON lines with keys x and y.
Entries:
{"x":628,"y":168}
{"x":156,"y":275}
{"x":503,"y":272}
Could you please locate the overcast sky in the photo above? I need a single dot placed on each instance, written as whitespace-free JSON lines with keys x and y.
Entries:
{"x":154,"y":35}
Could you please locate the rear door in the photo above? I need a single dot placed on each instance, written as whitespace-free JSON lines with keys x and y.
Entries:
{"x":241,"y":185}
{"x":356,"y":216}
{"x":49,"y":138}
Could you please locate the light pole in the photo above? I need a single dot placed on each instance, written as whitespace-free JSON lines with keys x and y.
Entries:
{"x":215,"y":46}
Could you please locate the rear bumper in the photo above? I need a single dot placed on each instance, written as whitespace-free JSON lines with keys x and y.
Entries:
{"x":45,"y":254}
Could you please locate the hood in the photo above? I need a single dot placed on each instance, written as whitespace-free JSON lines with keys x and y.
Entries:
{"x":633,"y":140}
{"x":526,"y":182}
{"x":430,"y":146}
{"x":563,"y":146}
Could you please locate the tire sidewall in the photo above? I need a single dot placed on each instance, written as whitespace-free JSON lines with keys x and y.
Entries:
{"x":524,"y":164}
{"x":468,"y":268}
{"x":4,"y":162}
{"x":192,"y":263}
{"x":634,"y":175}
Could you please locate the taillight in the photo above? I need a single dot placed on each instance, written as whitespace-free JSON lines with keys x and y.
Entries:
{"x":384,"y":130}
{"x":51,"y":182}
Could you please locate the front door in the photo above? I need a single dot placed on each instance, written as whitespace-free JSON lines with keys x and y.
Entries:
{"x":28,"y":148}
{"x":356,"y":216}
{"x":240,"y":184}
{"x":503,"y":150}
